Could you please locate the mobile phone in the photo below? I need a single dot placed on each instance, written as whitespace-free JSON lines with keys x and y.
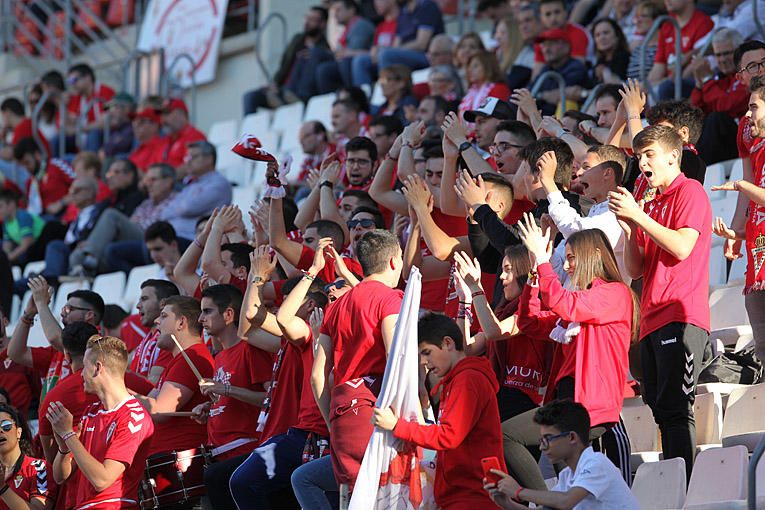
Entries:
{"x":488,"y":464}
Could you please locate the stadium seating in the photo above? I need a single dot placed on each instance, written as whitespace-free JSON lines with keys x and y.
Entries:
{"x":256,"y":123}
{"x":708,"y":412}
{"x":34,"y":268}
{"x":223,"y":132}
{"x":111,"y":287}
{"x":719,"y":474}
{"x":743,"y":423}
{"x":726,"y":306}
{"x":660,"y":485}
{"x":133,"y":285}
{"x":320,"y":108}
{"x":287,"y":117}
{"x":643,"y":434}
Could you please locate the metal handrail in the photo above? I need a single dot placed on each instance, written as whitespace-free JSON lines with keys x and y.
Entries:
{"x":591,"y":97}
{"x":751,"y":499}
{"x":542,"y":78}
{"x":35,"y":132}
{"x":258,"y":34}
{"x":168,"y":72}
{"x":678,"y":55}
{"x":82,"y":119}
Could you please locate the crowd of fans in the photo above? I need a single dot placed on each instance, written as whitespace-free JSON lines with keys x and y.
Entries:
{"x":564,"y":253}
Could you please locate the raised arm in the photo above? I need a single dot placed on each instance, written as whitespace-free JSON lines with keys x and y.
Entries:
{"x":323,"y":362}
{"x":224,"y":222}
{"x":381,"y":189}
{"x":295,"y":329}
{"x":310,"y":206}
{"x":411,"y":138}
{"x":449,"y":202}
{"x":277,"y":234}
{"x":185,"y":272}
{"x":256,"y":324}
{"x":456,"y":131}
{"x":41,"y":294}
{"x":328,"y":202}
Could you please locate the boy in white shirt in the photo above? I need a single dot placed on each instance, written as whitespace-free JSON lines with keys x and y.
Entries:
{"x":590,"y":480}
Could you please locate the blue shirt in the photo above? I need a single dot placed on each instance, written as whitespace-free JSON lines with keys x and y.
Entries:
{"x":198,"y":197}
{"x":425,"y":15}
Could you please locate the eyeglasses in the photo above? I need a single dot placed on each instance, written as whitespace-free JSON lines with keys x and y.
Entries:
{"x":365,"y":223}
{"x":339,"y":284}
{"x":7,"y":425}
{"x":357,"y":162}
{"x":724,"y":54}
{"x":499,"y":148}
{"x":68,"y":308}
{"x":544,"y":441}
{"x":753,"y":67}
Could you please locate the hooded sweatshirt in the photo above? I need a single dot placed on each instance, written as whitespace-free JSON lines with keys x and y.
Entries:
{"x":468,"y":430}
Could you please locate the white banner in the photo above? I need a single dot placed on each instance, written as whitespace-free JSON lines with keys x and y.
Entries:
{"x":191,"y":27}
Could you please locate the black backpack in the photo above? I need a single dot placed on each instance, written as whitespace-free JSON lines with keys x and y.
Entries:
{"x":742,"y":367}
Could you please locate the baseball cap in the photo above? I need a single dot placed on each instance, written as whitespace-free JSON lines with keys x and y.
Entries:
{"x":554,"y":34}
{"x":121,"y":98}
{"x":149,"y":113}
{"x":491,"y":107}
{"x":174,"y":104}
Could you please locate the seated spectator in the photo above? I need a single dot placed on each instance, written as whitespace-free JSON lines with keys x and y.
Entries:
{"x":493,"y":10}
{"x":345,"y":123}
{"x":87,"y":164}
{"x":47,"y":122}
{"x":314,"y":141}
{"x":509,"y":43}
{"x":439,"y":54}
{"x":554,"y":16}
{"x":149,"y":144}
{"x":162,"y":245}
{"x":283,"y":88}
{"x":18,"y":125}
{"x":25,"y":234}
{"x":485,"y":81}
{"x":359,"y":97}
{"x":529,"y":28}
{"x":623,"y":12}
{"x":556,"y":48}
{"x":363,"y":66}
{"x":121,"y":110}
{"x":53,"y":181}
{"x":607,"y":100}
{"x":180,"y":133}
{"x":737,"y":15}
{"x":114,"y":318}
{"x":445,"y":81}
{"x":694,"y":25}
{"x":356,"y":39}
{"x":611,"y":50}
{"x":159,"y":182}
{"x":396,"y":84}
{"x":468,"y":45}
{"x":646,"y":12}
{"x":122,"y":179}
{"x":383,"y":131}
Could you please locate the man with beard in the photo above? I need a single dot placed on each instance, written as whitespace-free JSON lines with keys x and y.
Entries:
{"x":149,"y":360}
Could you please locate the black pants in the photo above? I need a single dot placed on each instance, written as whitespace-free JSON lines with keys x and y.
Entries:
{"x":672,"y":359}
{"x":718,"y":138}
{"x":217,"y":476}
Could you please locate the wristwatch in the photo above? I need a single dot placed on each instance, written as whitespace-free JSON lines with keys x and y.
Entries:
{"x":464,"y":146}
{"x":257,"y":281}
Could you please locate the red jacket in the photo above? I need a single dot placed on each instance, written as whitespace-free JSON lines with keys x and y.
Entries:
{"x":604,"y":312}
{"x":724,"y":94}
{"x":468,"y":430}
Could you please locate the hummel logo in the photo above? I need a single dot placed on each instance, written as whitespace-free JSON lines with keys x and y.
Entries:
{"x":134,"y":428}
{"x":136,"y":416}
{"x":669,"y":341}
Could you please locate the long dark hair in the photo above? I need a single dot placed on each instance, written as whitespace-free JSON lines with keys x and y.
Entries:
{"x":25,"y":441}
{"x":621,"y":40}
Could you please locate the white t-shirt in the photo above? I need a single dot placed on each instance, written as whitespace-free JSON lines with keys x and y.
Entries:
{"x":596,"y":474}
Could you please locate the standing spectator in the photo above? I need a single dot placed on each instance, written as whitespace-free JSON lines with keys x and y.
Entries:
{"x":396,"y":84}
{"x":485,"y":81}
{"x":180,"y":133}
{"x":611,"y":50}
{"x":646,"y":12}
{"x":282,"y":89}
{"x":383,"y":131}
{"x":17,"y":380}
{"x":149,"y":144}
{"x":556,"y":48}
{"x":120,"y":112}
{"x":529,"y":28}
{"x":668,"y":244}
{"x":694,"y":25}
{"x":364,"y":65}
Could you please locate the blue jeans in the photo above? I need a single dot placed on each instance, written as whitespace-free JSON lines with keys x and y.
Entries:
{"x":125,"y":255}
{"x":56,"y":259}
{"x":666,"y":89}
{"x":363,"y":71}
{"x":412,"y":59}
{"x":315,"y":486}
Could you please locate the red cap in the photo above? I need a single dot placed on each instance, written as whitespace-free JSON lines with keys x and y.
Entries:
{"x":554,"y":34}
{"x":149,"y":113}
{"x":249,"y":147}
{"x":175,"y":104}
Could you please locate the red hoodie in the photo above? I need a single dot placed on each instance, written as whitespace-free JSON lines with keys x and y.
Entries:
{"x":468,"y":430}
{"x":600,"y":350}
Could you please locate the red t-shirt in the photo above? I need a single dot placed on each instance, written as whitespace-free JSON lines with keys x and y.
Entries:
{"x":433,"y":296}
{"x":280,"y":412}
{"x":122,"y":434}
{"x":309,"y":416}
{"x":146,"y":154}
{"x":354,"y":323}
{"x":132,"y":331}
{"x":32,"y":482}
{"x":677,"y":291}
{"x":755,"y":227}
{"x":55,"y":183}
{"x":697,"y":27}
{"x":385,"y":33}
{"x":71,"y":393}
{"x":102,"y":95}
{"x":148,"y":355}
{"x":24,"y":130}
{"x":243,"y":366}
{"x":580,"y":42}
{"x":183,"y":433}
{"x":17,"y":380}
{"x":328,"y":273}
{"x":744,"y":138}
{"x":173,"y":150}
{"x":51,"y":365}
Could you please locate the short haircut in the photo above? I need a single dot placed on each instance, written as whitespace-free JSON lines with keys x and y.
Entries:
{"x":160,"y":230}
{"x":433,"y":152}
{"x":318,"y":128}
{"x":379,"y":219}
{"x":110,"y":351}
{"x":88,"y":159}
{"x":93,"y":299}
{"x":391,"y":125}
{"x":165,"y":171}
{"x":375,"y":249}
{"x":610,"y":90}
{"x":53,"y":78}
{"x":349,"y":104}
{"x":432,"y":328}
{"x":613,"y":157}
{"x":240,"y":254}
{"x":501,"y":186}
{"x":328,"y":228}
{"x":7,"y":397}
{"x":362,"y":143}
{"x":162,"y":288}
{"x":532,"y":152}
{"x":75,"y":336}
{"x":679,"y":114}
{"x":349,"y":4}
{"x":363,"y":197}
{"x":744,"y":48}
{"x":113,"y":316}
{"x":225,"y":296}
{"x":83,"y":70}
{"x":130,"y":167}
{"x":566,"y":416}
{"x":12,"y":105}
{"x":728,"y":34}
{"x":316,"y":287}
{"x":485,"y":5}
{"x":206,"y":148}
{"x":543,"y":2}
{"x":187,"y":307}
{"x":439,"y":103}
{"x":9,"y":196}
{"x":357,"y":96}
{"x":665,"y":136}
{"x":322,"y":12}
{"x":520,"y":130}
{"x":757,"y":86}
{"x":25,"y":146}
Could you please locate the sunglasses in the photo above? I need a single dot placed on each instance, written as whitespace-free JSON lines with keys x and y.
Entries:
{"x":339,"y":284}
{"x":7,"y":425}
{"x":365,"y":223}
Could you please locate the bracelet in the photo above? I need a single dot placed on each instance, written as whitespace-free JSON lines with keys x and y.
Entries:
{"x":62,"y":452}
{"x":327,"y":184}
{"x":406,"y":144}
{"x":517,"y":496}
{"x":478,"y":293}
{"x":27,"y":321}
{"x":197,"y":243}
{"x":68,"y":435}
{"x":465,"y":302}
{"x":4,"y":489}
{"x":226,"y":389}
{"x":633,"y":117}
{"x":308,"y":275}
{"x":736,"y":186}
{"x":390,"y":157}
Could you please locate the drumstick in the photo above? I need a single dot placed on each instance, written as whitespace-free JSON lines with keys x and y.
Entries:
{"x":176,"y":414}
{"x":188,"y":360}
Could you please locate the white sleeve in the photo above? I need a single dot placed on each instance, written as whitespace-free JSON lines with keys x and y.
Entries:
{"x":563,"y":215}
{"x":592,"y":477}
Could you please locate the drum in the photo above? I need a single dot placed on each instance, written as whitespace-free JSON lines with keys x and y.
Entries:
{"x":173,"y":478}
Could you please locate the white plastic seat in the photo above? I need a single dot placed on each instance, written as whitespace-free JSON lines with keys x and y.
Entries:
{"x":643,"y":434}
{"x":708,"y":413}
{"x":133,"y":286}
{"x":36,"y":267}
{"x":726,"y":307}
{"x":718,"y":267}
{"x":64,"y":289}
{"x":725,"y":206}
{"x":256,"y":123}
{"x":223,"y":132}
{"x":287,"y":117}
{"x":15,"y":309}
{"x":736,"y":169}
{"x":245,"y":197}
{"x":737,"y":270}
{"x":714,"y":176}
{"x":320,"y":108}
{"x":744,"y":421}
{"x":420,"y":75}
{"x":111,"y":287}
{"x":660,"y":485}
{"x":377,"y":96}
{"x":731,"y":336}
{"x":719,"y":474}
{"x":234,"y":167}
